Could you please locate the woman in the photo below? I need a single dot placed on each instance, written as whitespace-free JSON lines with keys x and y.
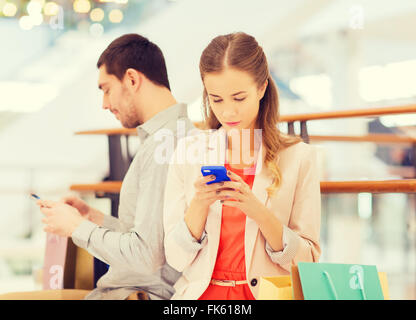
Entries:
{"x":225,"y":236}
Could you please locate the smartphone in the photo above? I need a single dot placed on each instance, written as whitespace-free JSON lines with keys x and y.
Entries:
{"x":35,"y":196}
{"x":219,"y":172}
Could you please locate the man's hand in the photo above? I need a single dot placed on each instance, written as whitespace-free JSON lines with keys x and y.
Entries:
{"x":79,"y":204}
{"x":60,"y":218}
{"x":84,"y":209}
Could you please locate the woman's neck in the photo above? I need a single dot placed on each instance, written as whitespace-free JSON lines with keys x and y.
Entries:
{"x":242,"y":147}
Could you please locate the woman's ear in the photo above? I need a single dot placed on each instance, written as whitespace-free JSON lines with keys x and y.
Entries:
{"x":133,"y":79}
{"x":263,"y":88}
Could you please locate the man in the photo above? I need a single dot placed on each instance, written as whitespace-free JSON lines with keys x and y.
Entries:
{"x":134,"y":81}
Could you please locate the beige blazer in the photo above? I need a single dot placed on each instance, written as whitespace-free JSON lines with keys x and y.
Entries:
{"x":297,"y":204}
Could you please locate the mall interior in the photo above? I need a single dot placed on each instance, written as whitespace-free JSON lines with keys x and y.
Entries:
{"x":346,"y":77}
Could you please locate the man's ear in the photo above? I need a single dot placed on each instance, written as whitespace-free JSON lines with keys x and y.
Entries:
{"x":133,"y":79}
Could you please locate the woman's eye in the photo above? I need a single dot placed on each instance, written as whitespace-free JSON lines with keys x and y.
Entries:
{"x":217,"y":101}
{"x":239,"y":99}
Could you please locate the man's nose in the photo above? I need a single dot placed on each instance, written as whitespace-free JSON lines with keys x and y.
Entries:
{"x":106,"y":104}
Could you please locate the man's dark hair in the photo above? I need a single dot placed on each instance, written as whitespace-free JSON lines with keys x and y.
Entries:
{"x":137,"y":52}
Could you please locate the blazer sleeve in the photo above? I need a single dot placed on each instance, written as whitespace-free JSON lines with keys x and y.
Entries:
{"x":181,"y":247}
{"x":301,"y":236}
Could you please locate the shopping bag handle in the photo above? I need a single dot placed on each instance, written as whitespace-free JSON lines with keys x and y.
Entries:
{"x":360,"y":281}
{"x":334,"y":292}
{"x":331,"y":284}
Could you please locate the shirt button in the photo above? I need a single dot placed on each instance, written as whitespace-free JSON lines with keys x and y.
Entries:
{"x":253,"y":282}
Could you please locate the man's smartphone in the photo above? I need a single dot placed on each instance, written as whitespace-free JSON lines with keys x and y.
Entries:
{"x":220,"y":173}
{"x":35,"y":196}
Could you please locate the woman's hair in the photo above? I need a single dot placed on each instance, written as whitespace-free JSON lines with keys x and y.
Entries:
{"x":242,"y":52}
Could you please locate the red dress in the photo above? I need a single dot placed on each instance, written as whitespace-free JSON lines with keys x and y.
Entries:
{"x":230,"y":264}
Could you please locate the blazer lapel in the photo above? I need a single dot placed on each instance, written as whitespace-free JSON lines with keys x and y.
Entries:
{"x":215,"y":156}
{"x":262,"y":180}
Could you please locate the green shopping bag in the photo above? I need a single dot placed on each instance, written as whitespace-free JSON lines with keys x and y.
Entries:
{"x":334,"y":281}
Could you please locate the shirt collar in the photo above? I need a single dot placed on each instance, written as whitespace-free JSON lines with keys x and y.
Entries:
{"x":159,"y":120}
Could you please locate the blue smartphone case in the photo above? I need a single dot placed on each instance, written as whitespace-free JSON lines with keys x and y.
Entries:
{"x":219,"y":171}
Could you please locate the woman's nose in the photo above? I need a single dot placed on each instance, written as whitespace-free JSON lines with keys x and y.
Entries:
{"x":229,"y":113}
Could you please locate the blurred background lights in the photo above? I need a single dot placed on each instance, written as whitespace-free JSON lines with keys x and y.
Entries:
{"x":82,"y":6}
{"x":97,"y":14}
{"x":115,"y":16}
{"x":96,"y":29}
{"x":9,"y":9}
{"x":34,"y":8}
{"x":51,"y":9}
{"x":26,"y":23}
{"x":37,"y":19}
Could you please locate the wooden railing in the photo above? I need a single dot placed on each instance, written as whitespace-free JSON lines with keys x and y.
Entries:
{"x":378,"y":138}
{"x":352,"y":113}
{"x":291,"y":119}
{"x":380,"y":186}
{"x":326,"y":186}
{"x":341,"y":114}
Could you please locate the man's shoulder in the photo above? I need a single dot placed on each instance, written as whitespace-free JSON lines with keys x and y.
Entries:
{"x":194,"y":136}
{"x":180,"y":128}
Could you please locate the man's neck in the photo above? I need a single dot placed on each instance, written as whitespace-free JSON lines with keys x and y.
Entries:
{"x":161,"y":100}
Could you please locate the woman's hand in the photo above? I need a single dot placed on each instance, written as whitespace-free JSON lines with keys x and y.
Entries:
{"x":207,"y":194}
{"x":235,"y":193}
{"x":197,"y":212}
{"x":238,"y":194}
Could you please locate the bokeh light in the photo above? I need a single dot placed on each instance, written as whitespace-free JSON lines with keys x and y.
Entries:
{"x":97,"y":14}
{"x":34,"y":8}
{"x":115,"y":16}
{"x":25,"y":22}
{"x":9,"y":9}
{"x":51,"y":9}
{"x":96,"y":29}
{"x":82,"y":6}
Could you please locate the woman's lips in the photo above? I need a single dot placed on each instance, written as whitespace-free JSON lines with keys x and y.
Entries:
{"x":233,"y":123}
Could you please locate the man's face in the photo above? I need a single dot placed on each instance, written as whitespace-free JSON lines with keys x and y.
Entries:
{"x":117,"y":98}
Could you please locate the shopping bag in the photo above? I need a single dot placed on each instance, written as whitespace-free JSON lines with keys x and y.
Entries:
{"x":59,"y":263}
{"x":290,"y":287}
{"x":333,"y":281}
{"x":275,"y":288}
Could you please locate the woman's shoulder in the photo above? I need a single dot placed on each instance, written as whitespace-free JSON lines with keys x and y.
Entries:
{"x":298,"y":149}
{"x":299,"y":155}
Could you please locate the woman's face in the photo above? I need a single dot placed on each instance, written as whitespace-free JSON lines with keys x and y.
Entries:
{"x":234,"y":98}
